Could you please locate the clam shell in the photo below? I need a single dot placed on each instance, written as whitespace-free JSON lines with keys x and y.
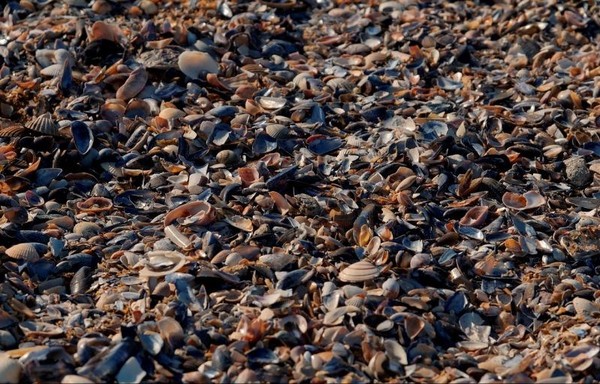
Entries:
{"x":95,"y":204}
{"x":359,"y":272}
{"x":475,"y":217}
{"x":193,"y":64}
{"x":133,"y":85}
{"x":82,"y":137}
{"x":43,"y":124}
{"x":195,"y":212}
{"x":162,"y":263}
{"x":28,"y":252}
{"x":104,"y":31}
{"x":528,"y":200}
{"x":171,"y":113}
{"x":137,"y":108}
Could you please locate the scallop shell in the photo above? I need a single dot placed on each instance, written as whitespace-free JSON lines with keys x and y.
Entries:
{"x":43,"y":124}
{"x":24,"y":251}
{"x":359,"y":272}
{"x":227,"y":157}
{"x":528,"y":200}
{"x":277,"y":131}
{"x":162,"y":263}
{"x":202,"y":212}
{"x":193,"y":64}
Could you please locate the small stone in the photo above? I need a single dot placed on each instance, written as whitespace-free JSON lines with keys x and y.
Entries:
{"x":149,"y":7}
{"x":577,"y":171}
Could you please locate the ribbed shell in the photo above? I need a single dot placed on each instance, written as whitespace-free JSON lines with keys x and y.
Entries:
{"x":359,"y":272}
{"x":24,"y":251}
{"x":277,"y":131}
{"x":87,"y":229}
{"x":43,"y":124}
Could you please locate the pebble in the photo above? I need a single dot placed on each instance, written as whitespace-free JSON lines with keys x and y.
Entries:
{"x":577,"y":171}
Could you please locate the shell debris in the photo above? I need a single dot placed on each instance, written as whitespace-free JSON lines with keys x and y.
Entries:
{"x":283,"y":190}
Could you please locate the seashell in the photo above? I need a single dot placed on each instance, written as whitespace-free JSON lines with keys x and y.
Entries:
{"x":323,"y":145}
{"x":228,"y":157}
{"x":171,"y":113}
{"x":75,"y":379}
{"x":95,"y":204}
{"x":24,"y":251}
{"x":131,"y":371}
{"x":43,"y":124}
{"x":53,"y":70}
{"x":263,"y":143}
{"x":162,"y":263}
{"x":193,"y":64}
{"x":475,"y":217}
{"x":10,"y":370}
{"x":528,"y":200}
{"x":271,"y":103}
{"x":585,"y":308}
{"x":133,"y":85}
{"x":240,"y":222}
{"x":104,"y":31}
{"x":137,"y":108}
{"x":87,"y":229}
{"x":359,"y":272}
{"x":277,"y":131}
{"x":81,"y":281}
{"x":82,"y":137}
{"x":248,"y":175}
{"x":37,"y":329}
{"x":283,"y":206}
{"x":112,"y":111}
{"x":194,"y":212}
{"x":151,"y":342}
{"x":171,"y":332}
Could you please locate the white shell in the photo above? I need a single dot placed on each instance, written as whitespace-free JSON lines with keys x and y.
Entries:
{"x":359,"y":271}
{"x":193,"y":63}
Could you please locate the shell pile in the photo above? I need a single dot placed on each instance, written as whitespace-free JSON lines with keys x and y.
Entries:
{"x":299,"y":191}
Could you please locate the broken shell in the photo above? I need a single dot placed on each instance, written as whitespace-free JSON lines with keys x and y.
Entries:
{"x":162,"y":263}
{"x":196,"y":212}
